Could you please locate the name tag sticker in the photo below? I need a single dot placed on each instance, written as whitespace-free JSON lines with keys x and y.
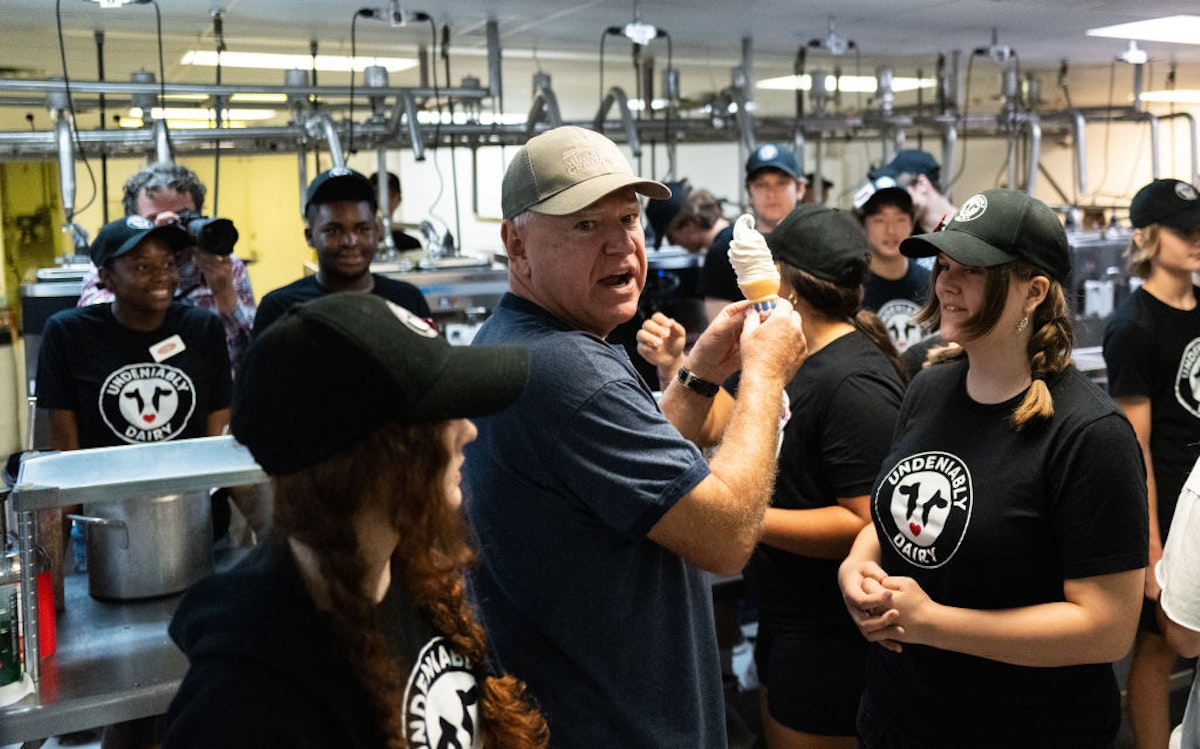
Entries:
{"x":167,"y":348}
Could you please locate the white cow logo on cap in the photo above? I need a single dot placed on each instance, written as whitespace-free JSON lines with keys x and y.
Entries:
{"x":768,"y":152}
{"x":138,"y":222}
{"x":1185,"y":191}
{"x":972,"y":209}
{"x":411,"y":321}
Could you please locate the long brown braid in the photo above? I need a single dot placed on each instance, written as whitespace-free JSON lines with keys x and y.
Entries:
{"x":401,"y":466}
{"x":844,"y":302}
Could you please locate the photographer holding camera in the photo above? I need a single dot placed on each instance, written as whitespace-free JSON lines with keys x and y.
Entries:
{"x":210,"y":278}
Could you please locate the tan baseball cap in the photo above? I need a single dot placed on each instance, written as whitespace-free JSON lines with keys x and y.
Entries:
{"x":566,"y":169}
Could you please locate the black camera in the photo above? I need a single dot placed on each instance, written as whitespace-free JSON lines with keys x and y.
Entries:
{"x":214,"y":235}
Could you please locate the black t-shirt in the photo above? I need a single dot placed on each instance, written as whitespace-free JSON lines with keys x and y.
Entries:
{"x":131,"y":387}
{"x":717,"y":279}
{"x":844,"y":402}
{"x":984,"y":517}
{"x":1152,"y":349}
{"x":306,"y":289}
{"x":897,"y":302}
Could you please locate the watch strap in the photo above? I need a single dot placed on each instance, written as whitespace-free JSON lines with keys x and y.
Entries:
{"x":696,"y":384}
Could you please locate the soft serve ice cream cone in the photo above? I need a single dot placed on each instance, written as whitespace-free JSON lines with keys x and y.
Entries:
{"x":751,"y":259}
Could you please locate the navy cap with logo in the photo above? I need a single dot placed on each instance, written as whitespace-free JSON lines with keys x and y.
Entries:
{"x":1000,"y":226}
{"x":331,"y":371}
{"x":822,"y":241}
{"x":909,"y":161}
{"x":337,"y":184}
{"x":119,"y":237}
{"x":1167,"y":202}
{"x":773,"y":156}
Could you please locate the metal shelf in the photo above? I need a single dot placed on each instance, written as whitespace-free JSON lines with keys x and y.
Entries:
{"x":117,"y":473}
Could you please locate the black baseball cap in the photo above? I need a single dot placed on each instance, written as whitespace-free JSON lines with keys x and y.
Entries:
{"x":1167,"y":202}
{"x":1000,"y":226}
{"x":124,"y":234}
{"x":340,"y":183}
{"x":909,"y":161}
{"x":773,"y":156}
{"x":331,"y":371}
{"x":822,"y":241}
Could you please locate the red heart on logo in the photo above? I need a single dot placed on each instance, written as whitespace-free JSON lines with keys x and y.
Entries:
{"x":148,"y":418}
{"x":914,"y":529}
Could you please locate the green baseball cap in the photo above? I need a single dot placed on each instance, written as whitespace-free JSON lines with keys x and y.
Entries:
{"x":566,"y":169}
{"x":1000,"y":226}
{"x":822,"y":241}
{"x":125,"y":234}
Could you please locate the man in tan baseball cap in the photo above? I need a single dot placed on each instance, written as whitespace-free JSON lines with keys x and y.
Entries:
{"x":596,"y":518}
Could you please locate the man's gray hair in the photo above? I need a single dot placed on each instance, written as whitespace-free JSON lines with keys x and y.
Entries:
{"x":162,"y":176}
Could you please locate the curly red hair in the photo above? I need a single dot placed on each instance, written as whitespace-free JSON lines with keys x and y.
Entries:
{"x":401,"y":466}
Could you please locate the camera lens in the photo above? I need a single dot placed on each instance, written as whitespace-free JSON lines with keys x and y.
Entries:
{"x":214,"y":235}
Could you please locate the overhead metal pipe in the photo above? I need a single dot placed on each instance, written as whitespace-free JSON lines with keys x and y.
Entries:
{"x":616,"y":96}
{"x":1191,"y":120}
{"x":302,"y":158}
{"x":543,"y":108}
{"x":66,"y":162}
{"x":162,"y":143}
{"x":381,"y":191}
{"x":225,"y":89}
{"x":321,"y":125}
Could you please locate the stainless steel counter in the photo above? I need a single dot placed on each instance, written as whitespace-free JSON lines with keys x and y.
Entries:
{"x":114,"y":662}
{"x":138,"y":630}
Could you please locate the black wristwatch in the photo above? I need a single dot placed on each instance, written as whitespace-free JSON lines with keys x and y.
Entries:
{"x":697,"y":385}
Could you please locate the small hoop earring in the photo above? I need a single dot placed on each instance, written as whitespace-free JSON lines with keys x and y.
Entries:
{"x":1023,"y":324}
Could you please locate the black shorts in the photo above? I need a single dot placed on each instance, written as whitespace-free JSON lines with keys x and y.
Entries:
{"x":1148,"y":621}
{"x":813,"y":673}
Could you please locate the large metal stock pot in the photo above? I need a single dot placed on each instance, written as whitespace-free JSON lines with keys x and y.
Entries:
{"x":149,"y":546}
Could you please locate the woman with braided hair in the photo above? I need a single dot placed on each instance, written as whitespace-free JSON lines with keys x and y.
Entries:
{"x":1004,"y":566}
{"x":350,"y":625}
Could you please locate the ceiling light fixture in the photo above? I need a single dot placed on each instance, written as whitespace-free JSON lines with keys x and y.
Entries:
{"x":185,"y":113}
{"x":1133,"y":55}
{"x":136,"y":123}
{"x":394,"y":14}
{"x":635,"y":31}
{"x":259,"y":98}
{"x":834,"y":44}
{"x":846,"y":83}
{"x":1178,"y":96}
{"x":1173,"y":29}
{"x":274,"y":61}
{"x":119,"y":3}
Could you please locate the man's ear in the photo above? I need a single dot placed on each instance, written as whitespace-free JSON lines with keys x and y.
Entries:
{"x":102,"y":272}
{"x":514,"y":247}
{"x":308,"y":236}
